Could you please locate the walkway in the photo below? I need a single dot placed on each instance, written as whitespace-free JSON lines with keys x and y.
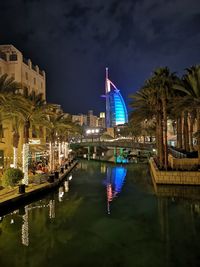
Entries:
{"x":9,"y":198}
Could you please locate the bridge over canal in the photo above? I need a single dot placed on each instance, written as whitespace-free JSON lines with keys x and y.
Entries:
{"x":118,"y":143}
{"x":115,"y":149}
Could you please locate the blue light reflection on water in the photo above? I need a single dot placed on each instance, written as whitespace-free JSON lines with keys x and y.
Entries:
{"x":114,"y":183}
{"x":121,"y":159}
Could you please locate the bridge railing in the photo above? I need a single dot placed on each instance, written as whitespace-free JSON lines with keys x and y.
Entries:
{"x":121,"y":143}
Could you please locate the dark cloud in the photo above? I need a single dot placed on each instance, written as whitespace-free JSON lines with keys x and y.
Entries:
{"x":74,"y":40}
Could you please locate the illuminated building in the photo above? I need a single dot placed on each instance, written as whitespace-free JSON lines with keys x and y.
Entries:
{"x":22,"y":70}
{"x":80,"y":119}
{"x":91,"y":119}
{"x":116,"y":112}
{"x":33,"y":79}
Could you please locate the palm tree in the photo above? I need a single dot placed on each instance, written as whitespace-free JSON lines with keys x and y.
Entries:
{"x":163,"y":80}
{"x":8,"y":86}
{"x":57,"y":127}
{"x":190,"y":85}
{"x":63,"y":128}
{"x":36,"y":115}
{"x":147,"y":105}
{"x":14,"y":111}
{"x":11,"y":108}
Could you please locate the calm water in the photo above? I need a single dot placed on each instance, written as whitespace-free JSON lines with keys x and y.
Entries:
{"x":105,"y":216}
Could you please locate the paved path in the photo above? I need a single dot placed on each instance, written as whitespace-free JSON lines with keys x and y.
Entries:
{"x":12,"y":196}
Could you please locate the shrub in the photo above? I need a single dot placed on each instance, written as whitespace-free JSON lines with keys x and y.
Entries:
{"x":38,"y":178}
{"x":11,"y":177}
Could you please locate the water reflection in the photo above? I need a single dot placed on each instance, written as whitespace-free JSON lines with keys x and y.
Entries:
{"x":52,"y":213}
{"x":19,"y":219}
{"x":142,"y":225}
{"x":66,"y":186}
{"x":114,"y":182}
{"x":103,"y":168}
{"x":60,"y":193}
{"x":121,"y":159}
{"x":25,"y":228}
{"x":177,"y":191}
{"x":186,"y":201}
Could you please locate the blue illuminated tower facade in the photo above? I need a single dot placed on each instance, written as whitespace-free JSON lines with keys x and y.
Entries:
{"x":116,"y":112}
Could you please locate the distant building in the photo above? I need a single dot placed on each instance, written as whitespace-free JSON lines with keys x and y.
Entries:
{"x":102,"y":120}
{"x":116,"y":112}
{"x":102,"y":115}
{"x":22,"y":70}
{"x":80,"y":119}
{"x":92,"y":120}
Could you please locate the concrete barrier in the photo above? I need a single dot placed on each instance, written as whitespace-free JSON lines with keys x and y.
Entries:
{"x":174,"y":177}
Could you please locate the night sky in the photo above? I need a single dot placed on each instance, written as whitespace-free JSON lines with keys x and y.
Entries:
{"x":74,"y":40}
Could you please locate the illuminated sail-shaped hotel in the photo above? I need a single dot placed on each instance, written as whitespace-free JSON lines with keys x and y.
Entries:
{"x":116,"y":112}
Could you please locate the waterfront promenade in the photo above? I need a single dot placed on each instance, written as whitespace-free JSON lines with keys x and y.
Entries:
{"x":11,"y":197}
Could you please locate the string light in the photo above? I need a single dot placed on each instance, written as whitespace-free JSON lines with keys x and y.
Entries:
{"x":15,"y":156}
{"x":25,"y":163}
{"x":66,"y":150}
{"x":59,"y":153}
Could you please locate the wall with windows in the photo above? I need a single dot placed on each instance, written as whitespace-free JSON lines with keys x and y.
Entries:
{"x":22,"y":70}
{"x":31,"y":77}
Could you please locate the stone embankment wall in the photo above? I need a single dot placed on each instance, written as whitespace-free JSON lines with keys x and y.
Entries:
{"x":183,"y":163}
{"x":174,"y":177}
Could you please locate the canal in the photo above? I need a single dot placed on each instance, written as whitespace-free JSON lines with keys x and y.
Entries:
{"x":105,"y":215}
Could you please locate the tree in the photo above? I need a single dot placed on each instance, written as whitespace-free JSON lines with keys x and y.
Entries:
{"x":163,"y":80}
{"x":147,"y":105}
{"x":190,"y":85}
{"x":8,"y":86}
{"x":15,"y":110}
{"x":58,"y":127}
{"x":35,"y":115}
